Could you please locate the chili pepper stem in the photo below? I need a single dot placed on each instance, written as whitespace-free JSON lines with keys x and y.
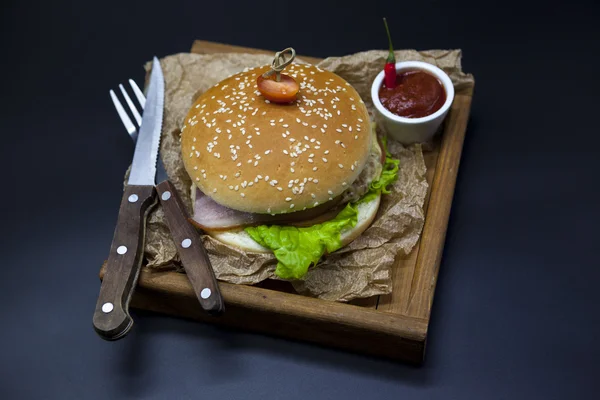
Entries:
{"x":391,"y":57}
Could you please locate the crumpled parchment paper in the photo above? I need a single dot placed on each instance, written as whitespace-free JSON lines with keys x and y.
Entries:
{"x":361,"y":269}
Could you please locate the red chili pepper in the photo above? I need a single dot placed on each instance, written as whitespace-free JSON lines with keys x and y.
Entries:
{"x":390,"y":63}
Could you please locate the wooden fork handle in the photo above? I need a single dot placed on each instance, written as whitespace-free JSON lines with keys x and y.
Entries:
{"x":111,"y":317}
{"x":191,"y":250}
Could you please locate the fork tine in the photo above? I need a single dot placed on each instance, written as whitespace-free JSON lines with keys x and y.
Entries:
{"x":121,"y":111}
{"x":138,"y":93}
{"x":134,"y":111}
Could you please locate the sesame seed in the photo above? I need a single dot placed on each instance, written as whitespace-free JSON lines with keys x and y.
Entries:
{"x":255,"y":163}
{"x":315,"y":180}
{"x":360,"y":120}
{"x":344,"y":184}
{"x":315,"y":168}
{"x":242,"y":194}
{"x":285,"y":152}
{"x":197,"y":179}
{"x":279,"y":188}
{"x":236,"y":187}
{"x":339,"y":130}
{"x":288,"y":199}
{"x":343,"y":145}
{"x":230,"y":187}
{"x":341,"y":165}
{"x":356,"y":137}
{"x":324,"y":159}
{"x":215,"y":190}
{"x":316,"y":203}
{"x":291,"y":206}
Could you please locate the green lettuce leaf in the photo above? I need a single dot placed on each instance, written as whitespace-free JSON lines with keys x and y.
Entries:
{"x":297,"y":248}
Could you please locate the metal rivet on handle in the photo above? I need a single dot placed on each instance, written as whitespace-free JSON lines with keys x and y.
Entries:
{"x":186,"y":243}
{"x":133,"y":198}
{"x":121,"y":250}
{"x":166,"y":195}
{"x":205,"y":293}
{"x":107,"y":307}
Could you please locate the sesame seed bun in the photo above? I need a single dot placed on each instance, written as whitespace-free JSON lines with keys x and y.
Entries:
{"x":252,"y":155}
{"x":239,"y":238}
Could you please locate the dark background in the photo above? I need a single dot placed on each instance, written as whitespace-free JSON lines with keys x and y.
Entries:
{"x":516,"y":312}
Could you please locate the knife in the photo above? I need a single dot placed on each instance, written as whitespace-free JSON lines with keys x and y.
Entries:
{"x":111,"y":316}
{"x":192,"y":253}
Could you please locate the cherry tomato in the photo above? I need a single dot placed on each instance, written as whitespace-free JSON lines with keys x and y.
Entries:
{"x":283,"y":91}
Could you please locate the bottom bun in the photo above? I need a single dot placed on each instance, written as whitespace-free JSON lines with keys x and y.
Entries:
{"x":239,"y":238}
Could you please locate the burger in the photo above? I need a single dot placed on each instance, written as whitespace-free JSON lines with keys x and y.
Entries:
{"x":298,"y":179}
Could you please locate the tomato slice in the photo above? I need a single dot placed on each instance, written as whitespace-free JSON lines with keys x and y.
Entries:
{"x":283,"y":91}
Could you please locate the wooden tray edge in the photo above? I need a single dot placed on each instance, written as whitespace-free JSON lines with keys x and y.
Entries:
{"x":206,"y":47}
{"x":433,"y":237}
{"x":289,"y":315}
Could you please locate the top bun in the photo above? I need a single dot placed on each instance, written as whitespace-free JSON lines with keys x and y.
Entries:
{"x":252,"y":155}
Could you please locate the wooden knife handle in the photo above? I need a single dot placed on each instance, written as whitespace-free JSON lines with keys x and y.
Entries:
{"x":111,"y":317}
{"x":191,"y":250}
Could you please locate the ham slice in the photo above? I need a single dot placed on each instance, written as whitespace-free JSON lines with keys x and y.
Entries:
{"x":212,"y":216}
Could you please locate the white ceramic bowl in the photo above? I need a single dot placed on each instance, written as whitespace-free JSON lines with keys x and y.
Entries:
{"x":412,"y":130}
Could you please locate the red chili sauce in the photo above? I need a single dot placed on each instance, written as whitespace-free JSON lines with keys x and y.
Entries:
{"x":417,"y":94}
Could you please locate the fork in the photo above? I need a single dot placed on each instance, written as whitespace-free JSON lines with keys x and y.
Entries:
{"x":194,"y":258}
{"x":131,"y":129}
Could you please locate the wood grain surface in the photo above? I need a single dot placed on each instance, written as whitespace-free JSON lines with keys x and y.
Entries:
{"x":391,"y":326}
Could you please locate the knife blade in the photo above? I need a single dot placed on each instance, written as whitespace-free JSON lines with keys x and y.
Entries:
{"x":111,"y":316}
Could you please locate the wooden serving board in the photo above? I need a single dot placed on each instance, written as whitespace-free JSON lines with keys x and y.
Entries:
{"x":392,"y":326}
